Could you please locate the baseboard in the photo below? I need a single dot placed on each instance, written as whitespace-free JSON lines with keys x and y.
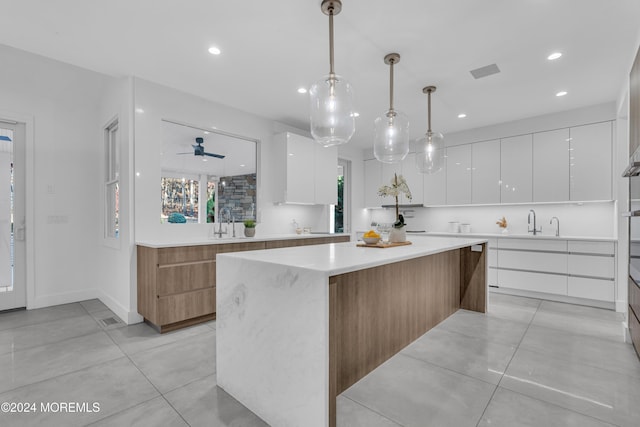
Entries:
{"x":127,"y":316}
{"x":553,"y":297}
{"x":62,"y":298}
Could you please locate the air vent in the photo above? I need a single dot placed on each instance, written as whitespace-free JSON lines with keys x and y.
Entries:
{"x":109,"y":321}
{"x":485,"y":71}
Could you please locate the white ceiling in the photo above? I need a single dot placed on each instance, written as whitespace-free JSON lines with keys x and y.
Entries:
{"x":269,"y":49}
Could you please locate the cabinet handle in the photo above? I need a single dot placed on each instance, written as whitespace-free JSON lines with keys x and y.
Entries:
{"x":631,"y":213}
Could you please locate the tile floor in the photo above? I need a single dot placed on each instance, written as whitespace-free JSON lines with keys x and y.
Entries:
{"x":526,"y":363}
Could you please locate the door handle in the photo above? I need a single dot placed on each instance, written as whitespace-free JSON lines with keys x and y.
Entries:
{"x":20,"y":232}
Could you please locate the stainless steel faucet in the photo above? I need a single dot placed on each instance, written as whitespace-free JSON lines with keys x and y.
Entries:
{"x":233,"y":220}
{"x":220,"y":216}
{"x":535,"y":230}
{"x":557,"y":225}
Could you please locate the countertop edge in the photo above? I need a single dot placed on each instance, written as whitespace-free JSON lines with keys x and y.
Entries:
{"x":231,"y":240}
{"x":517,"y":236}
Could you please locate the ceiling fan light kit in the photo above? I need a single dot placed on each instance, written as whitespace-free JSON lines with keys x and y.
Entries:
{"x":332,"y":116}
{"x":198,"y":150}
{"x":391,"y":137}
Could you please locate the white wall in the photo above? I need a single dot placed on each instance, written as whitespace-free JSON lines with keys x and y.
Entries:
{"x":61,"y":104}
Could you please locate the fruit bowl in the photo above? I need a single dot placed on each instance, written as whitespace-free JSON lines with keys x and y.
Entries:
{"x":371,"y":240}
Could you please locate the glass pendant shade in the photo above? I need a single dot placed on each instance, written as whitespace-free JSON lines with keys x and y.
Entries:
{"x":391,"y":139}
{"x":430,"y":153}
{"x":332,"y":114}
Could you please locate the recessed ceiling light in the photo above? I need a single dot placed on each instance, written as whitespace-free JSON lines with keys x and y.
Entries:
{"x":302,"y":90}
{"x":214,"y":50}
{"x":355,"y":114}
{"x":206,"y":132}
{"x":241,"y":166}
{"x":561,"y":93}
{"x":462,"y":115}
{"x":139,"y":110}
{"x":205,"y":160}
{"x":554,"y":55}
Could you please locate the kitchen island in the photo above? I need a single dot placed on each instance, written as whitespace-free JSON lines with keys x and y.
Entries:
{"x":298,"y":326}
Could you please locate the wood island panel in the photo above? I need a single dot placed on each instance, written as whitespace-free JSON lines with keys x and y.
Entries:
{"x":376,"y":312}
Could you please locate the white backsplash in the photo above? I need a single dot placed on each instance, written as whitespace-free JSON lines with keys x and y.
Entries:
{"x":588,"y":219}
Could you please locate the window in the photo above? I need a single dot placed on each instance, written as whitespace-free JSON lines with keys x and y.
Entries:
{"x":111,"y":181}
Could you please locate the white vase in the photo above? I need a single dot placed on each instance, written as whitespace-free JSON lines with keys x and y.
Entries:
{"x":397,"y":235}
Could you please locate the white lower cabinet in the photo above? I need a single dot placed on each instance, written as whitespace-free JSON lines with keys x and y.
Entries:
{"x":536,"y":282}
{"x":596,"y":289}
{"x":570,"y":269}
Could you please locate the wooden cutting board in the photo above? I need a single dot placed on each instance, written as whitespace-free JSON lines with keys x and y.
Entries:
{"x":383,"y":245}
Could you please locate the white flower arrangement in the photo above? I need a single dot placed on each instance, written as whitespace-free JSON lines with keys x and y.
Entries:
{"x":398,"y":186}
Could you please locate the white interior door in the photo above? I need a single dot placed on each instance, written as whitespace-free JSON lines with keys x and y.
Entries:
{"x":12,"y":216}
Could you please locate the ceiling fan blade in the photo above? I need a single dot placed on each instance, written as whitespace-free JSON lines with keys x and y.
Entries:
{"x":190,"y":152}
{"x":219,"y":156}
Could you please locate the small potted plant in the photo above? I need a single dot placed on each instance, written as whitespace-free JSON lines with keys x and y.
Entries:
{"x":398,"y":186}
{"x":249,"y":228}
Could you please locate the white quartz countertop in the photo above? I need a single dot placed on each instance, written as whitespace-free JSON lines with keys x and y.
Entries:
{"x":227,"y":240}
{"x":518,"y":236}
{"x":339,"y":258}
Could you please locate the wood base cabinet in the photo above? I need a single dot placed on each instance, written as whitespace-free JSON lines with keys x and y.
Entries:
{"x":177,"y":285}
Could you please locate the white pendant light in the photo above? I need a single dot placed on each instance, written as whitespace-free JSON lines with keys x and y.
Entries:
{"x":391,"y":140}
{"x":430,"y":148}
{"x":332,"y":115}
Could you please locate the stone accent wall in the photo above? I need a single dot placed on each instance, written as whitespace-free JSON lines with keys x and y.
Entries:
{"x":239,"y":195}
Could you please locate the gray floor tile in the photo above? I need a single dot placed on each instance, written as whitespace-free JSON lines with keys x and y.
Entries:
{"x":140,"y":337}
{"x":203,"y":403}
{"x":101,"y":315}
{"x":40,"y":363}
{"x":92,"y":305}
{"x":24,"y":337}
{"x":476,"y":357}
{"x":614,"y":356}
{"x":592,"y":391}
{"x":509,"y":409}
{"x":211,"y":324}
{"x":114,"y":386}
{"x":173,"y":365}
{"x":579,"y":324}
{"x":414,"y":393}
{"x":353,"y":414}
{"x":482,"y":326}
{"x":16,"y":319}
{"x":153,"y":413}
{"x":511,"y":307}
{"x":581,"y":311}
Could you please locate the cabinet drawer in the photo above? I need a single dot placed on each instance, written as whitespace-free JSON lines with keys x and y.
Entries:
{"x":493,"y":257}
{"x":536,"y":261}
{"x":607,"y":248}
{"x":180,"y":254}
{"x":634,"y":248}
{"x":240,"y":247}
{"x":592,"y":265}
{"x":179,"y":307}
{"x":186,"y":277}
{"x":537,"y":282}
{"x":493,"y":277}
{"x":634,"y":297}
{"x":582,"y":287}
{"x":531,"y":244}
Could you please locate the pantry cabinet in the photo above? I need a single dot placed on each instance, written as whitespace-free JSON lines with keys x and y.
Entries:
{"x":459,"y":175}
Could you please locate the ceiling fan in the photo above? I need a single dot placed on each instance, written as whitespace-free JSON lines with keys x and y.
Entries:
{"x":198,"y":150}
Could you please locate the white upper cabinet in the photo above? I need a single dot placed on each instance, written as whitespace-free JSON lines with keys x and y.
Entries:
{"x":326,"y":174}
{"x":435,"y":187}
{"x":372,"y":181}
{"x":311,"y":171}
{"x":459,"y":175}
{"x":551,"y":166}
{"x":590,"y":162}
{"x":516,"y":161}
{"x":485,"y":172}
{"x":414,"y":180}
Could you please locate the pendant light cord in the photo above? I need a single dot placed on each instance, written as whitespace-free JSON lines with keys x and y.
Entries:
{"x":391,"y":86}
{"x":429,"y":111}
{"x":331,"y":71}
